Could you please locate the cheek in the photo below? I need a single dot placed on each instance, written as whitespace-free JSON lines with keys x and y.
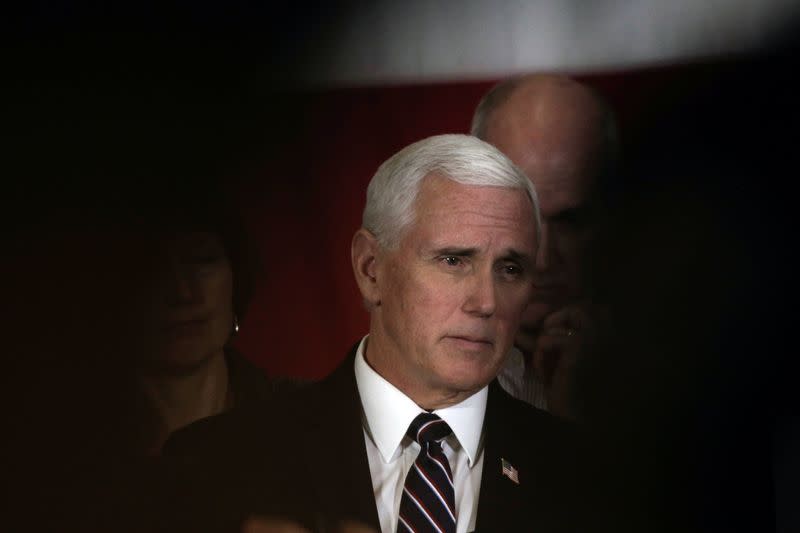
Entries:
{"x":222,"y":294}
{"x":416,"y":307}
{"x":515,"y":302}
{"x":219,"y":283}
{"x":435,"y":300}
{"x":425,"y":308}
{"x":218,"y":293}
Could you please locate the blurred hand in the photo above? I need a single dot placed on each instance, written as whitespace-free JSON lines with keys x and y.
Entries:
{"x":531,"y":326}
{"x":561,"y":341}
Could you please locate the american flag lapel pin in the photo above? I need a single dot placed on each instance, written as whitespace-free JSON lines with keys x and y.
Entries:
{"x":509,"y":471}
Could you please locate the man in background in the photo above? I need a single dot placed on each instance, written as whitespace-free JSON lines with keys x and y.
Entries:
{"x":563,"y":137}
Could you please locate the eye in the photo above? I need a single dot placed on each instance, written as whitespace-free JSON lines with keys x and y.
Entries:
{"x":572,"y":219}
{"x":511,"y":271}
{"x":452,"y":261}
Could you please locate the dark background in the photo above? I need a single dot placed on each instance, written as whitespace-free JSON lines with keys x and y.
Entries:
{"x":113,"y":112}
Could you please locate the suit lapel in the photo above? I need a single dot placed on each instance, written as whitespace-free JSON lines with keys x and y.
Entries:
{"x":501,"y":500}
{"x":336,"y":452}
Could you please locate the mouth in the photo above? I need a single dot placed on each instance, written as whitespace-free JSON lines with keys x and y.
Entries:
{"x":471,"y":342}
{"x":184,"y":328}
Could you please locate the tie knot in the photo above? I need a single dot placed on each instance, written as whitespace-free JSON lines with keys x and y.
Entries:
{"x":427,"y":427}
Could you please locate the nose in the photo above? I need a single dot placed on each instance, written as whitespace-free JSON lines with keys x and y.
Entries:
{"x":481,"y":299}
{"x":182,"y":287}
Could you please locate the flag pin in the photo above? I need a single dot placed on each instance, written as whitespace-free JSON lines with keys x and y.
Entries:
{"x":509,"y":471}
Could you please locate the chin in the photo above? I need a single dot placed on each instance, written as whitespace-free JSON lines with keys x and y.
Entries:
{"x":468,"y":377}
{"x":181,"y":360}
{"x":470,"y":386}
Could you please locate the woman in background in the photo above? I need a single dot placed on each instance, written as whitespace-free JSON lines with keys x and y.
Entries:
{"x":190,"y":288}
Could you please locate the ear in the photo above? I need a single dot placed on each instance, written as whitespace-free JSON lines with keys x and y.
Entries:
{"x":363,"y":255}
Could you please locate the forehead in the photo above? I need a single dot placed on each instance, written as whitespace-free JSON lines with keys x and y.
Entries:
{"x":560,"y":158}
{"x":469,"y":215}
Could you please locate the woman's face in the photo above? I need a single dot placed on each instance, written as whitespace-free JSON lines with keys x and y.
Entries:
{"x":188,"y":299}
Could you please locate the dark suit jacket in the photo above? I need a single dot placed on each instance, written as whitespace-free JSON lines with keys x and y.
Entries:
{"x":303,"y":457}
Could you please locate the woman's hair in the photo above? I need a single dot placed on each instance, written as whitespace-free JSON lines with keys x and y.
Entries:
{"x":206,"y":206}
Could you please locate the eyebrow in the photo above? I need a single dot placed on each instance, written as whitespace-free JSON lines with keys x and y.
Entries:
{"x":568,"y":213}
{"x":510,"y":254}
{"x":517,"y":256}
{"x":456,"y":251}
{"x":521,"y":258}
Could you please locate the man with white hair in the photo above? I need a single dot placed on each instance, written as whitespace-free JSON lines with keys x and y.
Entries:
{"x":412,"y":432}
{"x":563,"y":136}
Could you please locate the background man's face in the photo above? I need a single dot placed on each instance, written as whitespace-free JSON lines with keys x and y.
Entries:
{"x":563,"y":182}
{"x":453,"y":292}
{"x":559,"y":150}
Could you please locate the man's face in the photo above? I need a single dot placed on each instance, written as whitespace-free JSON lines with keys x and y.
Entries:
{"x":452,"y":293}
{"x":561,"y":159}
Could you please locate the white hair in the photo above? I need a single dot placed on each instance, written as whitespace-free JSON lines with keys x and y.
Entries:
{"x":464,"y":159}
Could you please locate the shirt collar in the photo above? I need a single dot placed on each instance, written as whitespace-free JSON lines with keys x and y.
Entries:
{"x":389,"y":412}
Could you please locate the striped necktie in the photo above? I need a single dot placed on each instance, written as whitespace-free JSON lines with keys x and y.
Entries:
{"x":428,"y":501}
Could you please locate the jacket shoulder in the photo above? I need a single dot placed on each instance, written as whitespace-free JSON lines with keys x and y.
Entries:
{"x":255,"y":423}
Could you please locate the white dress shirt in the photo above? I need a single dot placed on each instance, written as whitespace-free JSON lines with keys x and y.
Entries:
{"x":387,"y":413}
{"x":520,"y":383}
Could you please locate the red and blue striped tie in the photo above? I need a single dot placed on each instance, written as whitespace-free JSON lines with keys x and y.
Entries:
{"x":428,"y":502}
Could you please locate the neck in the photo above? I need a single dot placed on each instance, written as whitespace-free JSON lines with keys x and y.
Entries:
{"x":177,"y":401}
